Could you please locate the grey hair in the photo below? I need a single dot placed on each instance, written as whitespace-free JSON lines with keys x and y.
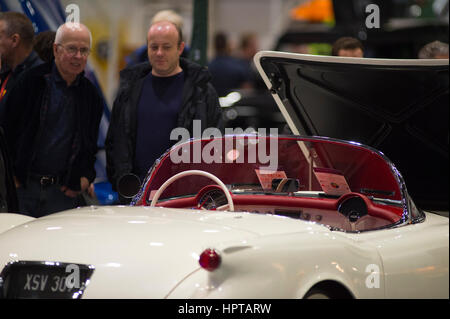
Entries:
{"x":71,"y":25}
{"x":172,"y":17}
{"x":433,"y":49}
{"x":168,"y":15}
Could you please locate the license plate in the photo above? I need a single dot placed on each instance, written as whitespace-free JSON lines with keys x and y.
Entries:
{"x":48,"y":280}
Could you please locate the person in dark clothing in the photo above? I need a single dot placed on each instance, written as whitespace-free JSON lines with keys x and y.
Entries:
{"x":348,"y":47}
{"x":249,"y":46}
{"x":16,"y":51}
{"x":228,"y":73}
{"x":43,"y":45}
{"x":153,"y":99}
{"x":52,"y":130}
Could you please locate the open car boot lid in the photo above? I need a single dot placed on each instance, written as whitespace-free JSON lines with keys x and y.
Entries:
{"x":399,"y":107}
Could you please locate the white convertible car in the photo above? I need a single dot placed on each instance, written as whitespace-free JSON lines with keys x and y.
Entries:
{"x":242,"y":216}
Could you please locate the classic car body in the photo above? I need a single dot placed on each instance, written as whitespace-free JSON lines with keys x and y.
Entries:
{"x":240,"y":216}
{"x":333,"y":219}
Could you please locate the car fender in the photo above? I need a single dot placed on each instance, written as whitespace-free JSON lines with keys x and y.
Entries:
{"x":283,"y":267}
{"x":9,"y":221}
{"x":311,"y":281}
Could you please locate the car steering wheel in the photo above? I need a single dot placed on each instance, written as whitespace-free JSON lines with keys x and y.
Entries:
{"x":353,"y":206}
{"x":189,"y":173}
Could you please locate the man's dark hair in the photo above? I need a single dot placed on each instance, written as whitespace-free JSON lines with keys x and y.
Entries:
{"x":346,"y":43}
{"x":43,"y":45}
{"x":18,"y":23}
{"x":221,"y":43}
{"x":246,"y":39}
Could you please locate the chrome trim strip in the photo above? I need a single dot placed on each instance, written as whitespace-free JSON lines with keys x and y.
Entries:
{"x":347,"y":60}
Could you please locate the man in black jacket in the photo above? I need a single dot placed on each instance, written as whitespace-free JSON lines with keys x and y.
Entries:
{"x":16,"y":51}
{"x":53,"y":116}
{"x":155,"y":98}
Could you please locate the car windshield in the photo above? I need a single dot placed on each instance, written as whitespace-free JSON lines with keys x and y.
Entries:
{"x":250,"y":164}
{"x":343,"y":185}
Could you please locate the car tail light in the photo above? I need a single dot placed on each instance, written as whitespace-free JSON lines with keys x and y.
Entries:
{"x":210,"y":259}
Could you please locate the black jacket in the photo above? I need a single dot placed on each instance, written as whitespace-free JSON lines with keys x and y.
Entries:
{"x":200,"y":102}
{"x":23,"y":110}
{"x":8,"y":195}
{"x":31,"y":61}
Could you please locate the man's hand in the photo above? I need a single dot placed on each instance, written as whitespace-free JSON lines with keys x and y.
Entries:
{"x":68,"y":192}
{"x":84,"y":185}
{"x":91,"y":190}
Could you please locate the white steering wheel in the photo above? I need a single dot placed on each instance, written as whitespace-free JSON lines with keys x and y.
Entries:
{"x":189,"y":173}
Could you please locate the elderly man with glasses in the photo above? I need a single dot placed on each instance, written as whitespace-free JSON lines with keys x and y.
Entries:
{"x":53,"y":116}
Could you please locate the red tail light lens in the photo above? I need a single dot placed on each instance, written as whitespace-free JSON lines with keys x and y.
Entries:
{"x":210,"y":259}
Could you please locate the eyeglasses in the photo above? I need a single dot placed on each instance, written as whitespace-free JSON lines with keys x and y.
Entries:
{"x":72,"y":50}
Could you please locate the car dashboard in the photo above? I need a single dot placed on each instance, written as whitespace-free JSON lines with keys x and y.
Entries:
{"x":352,"y":212}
